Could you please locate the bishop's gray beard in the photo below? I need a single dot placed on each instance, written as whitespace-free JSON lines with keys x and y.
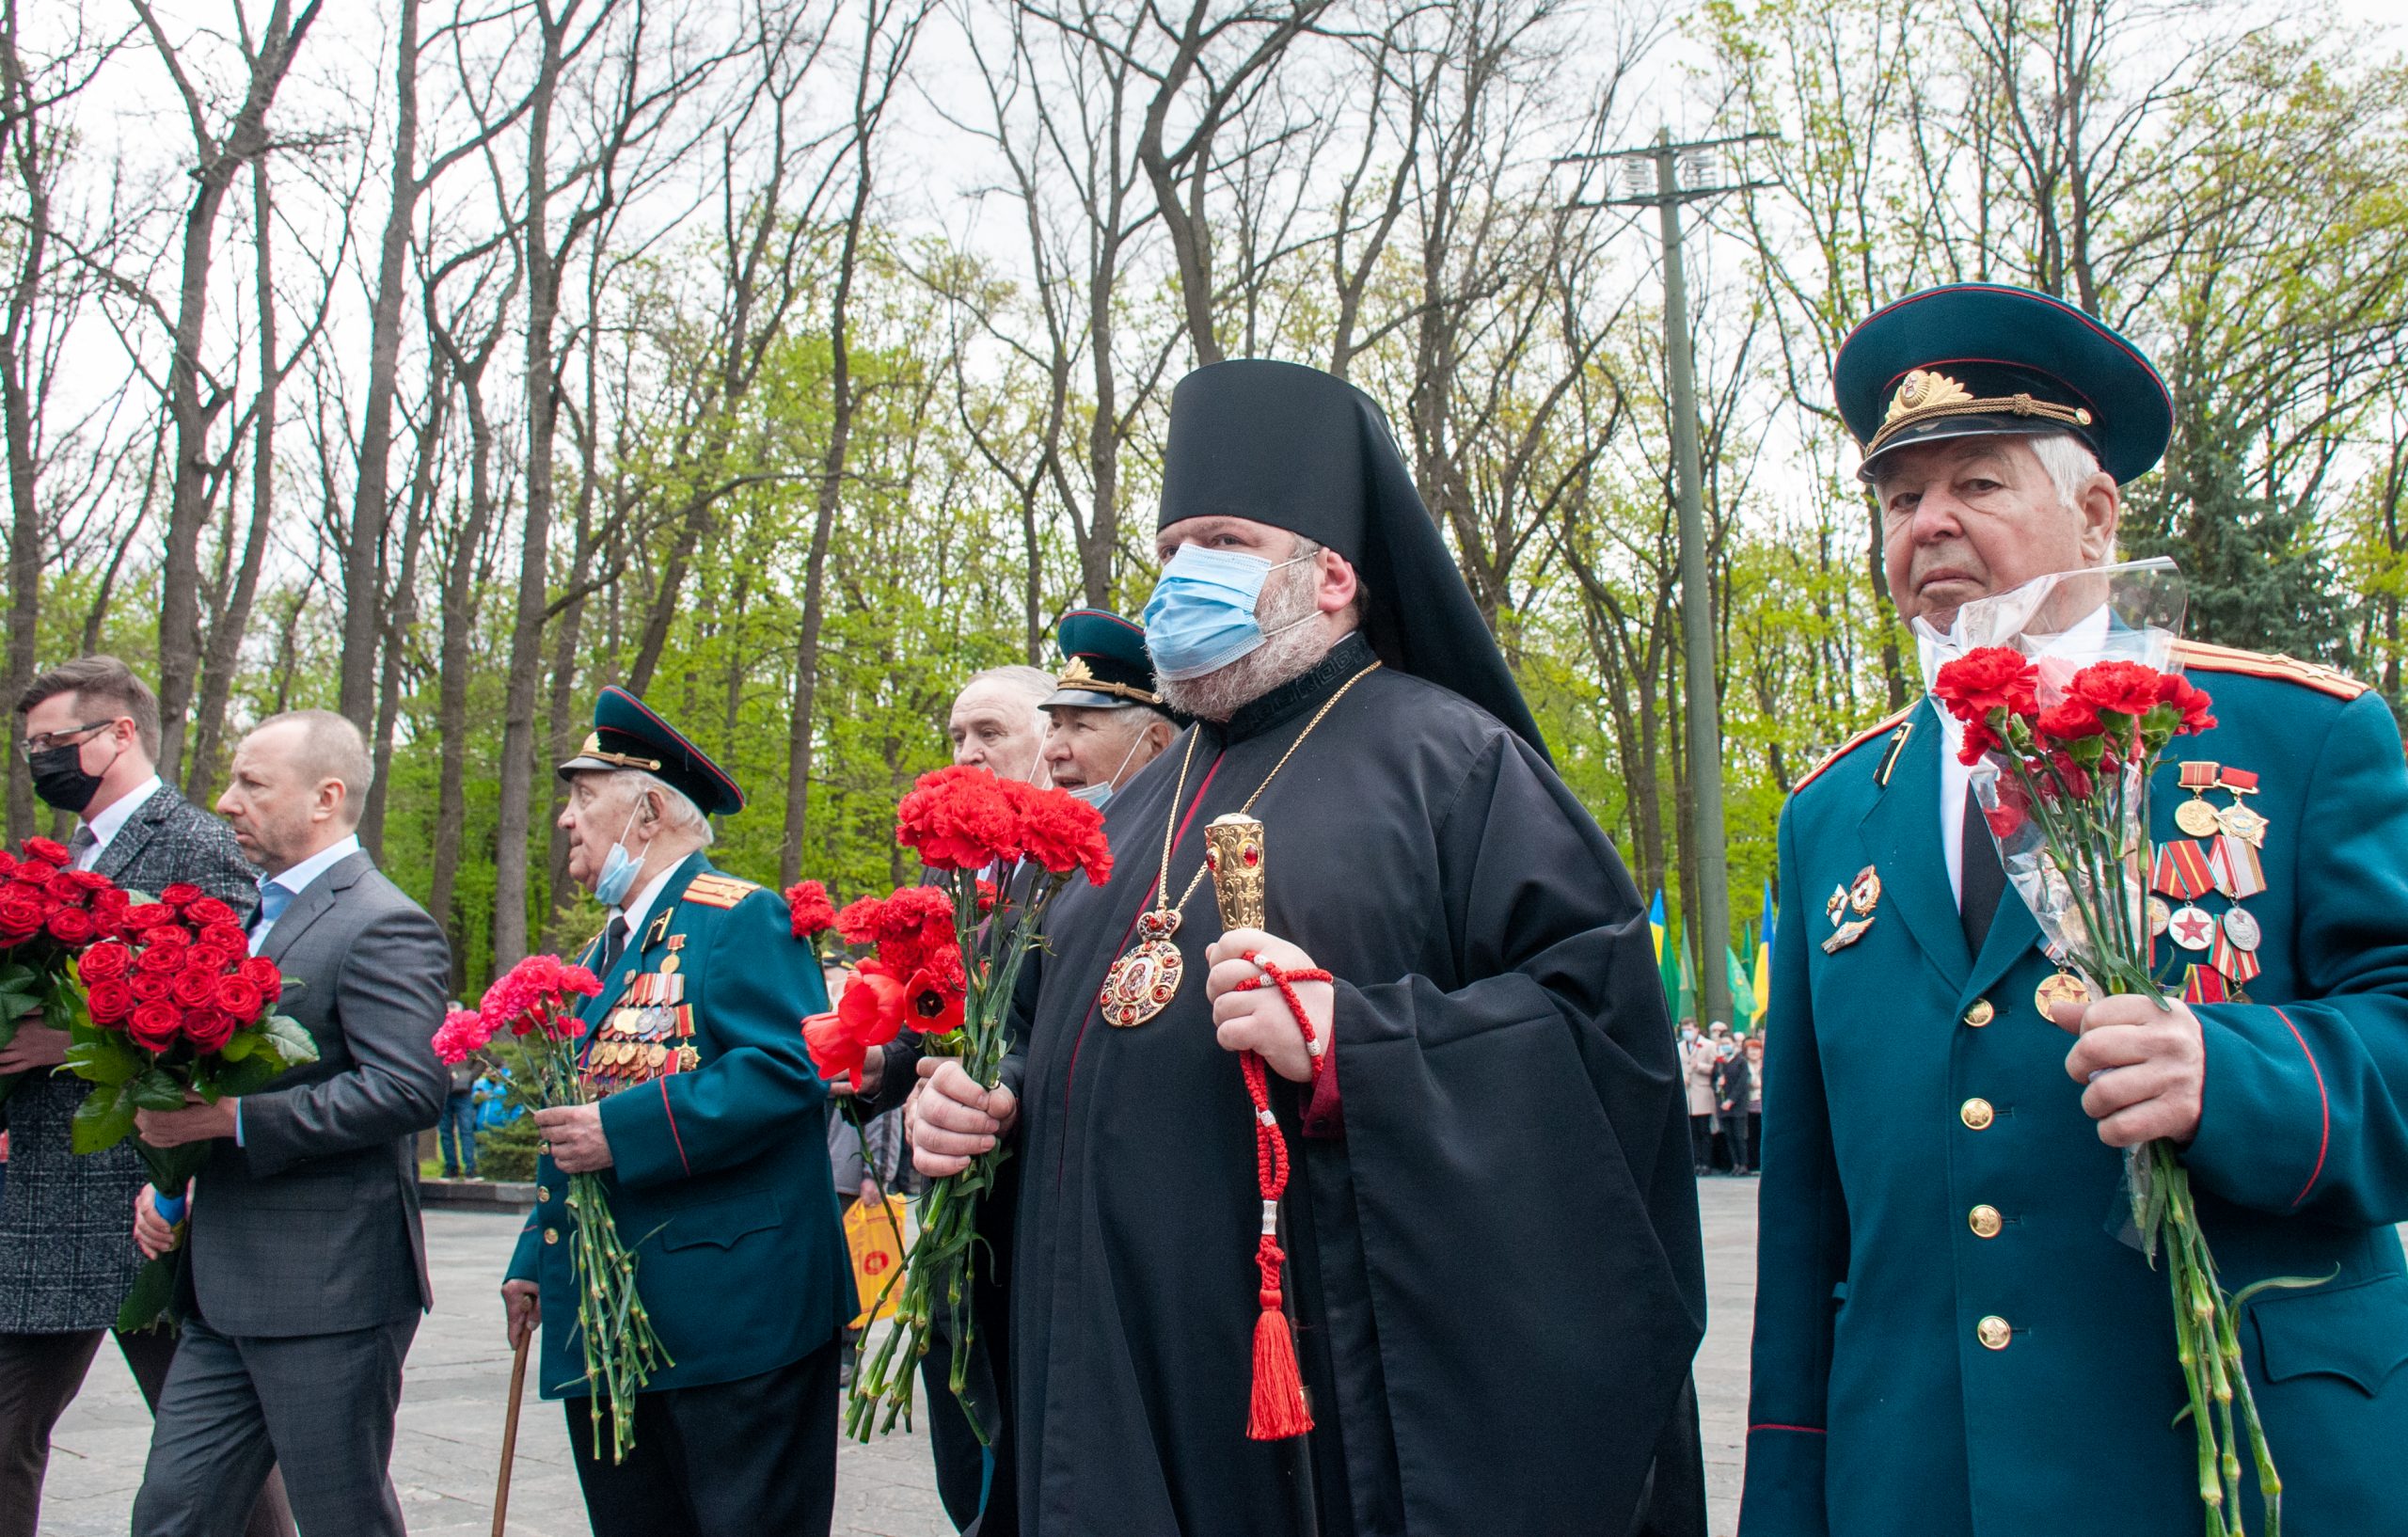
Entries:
{"x":1287,"y":653}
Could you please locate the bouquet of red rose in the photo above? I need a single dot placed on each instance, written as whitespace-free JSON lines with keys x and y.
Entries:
{"x":174,"y":1007}
{"x":2066,"y":713}
{"x":48,"y":914}
{"x":947,"y":956}
{"x":530,"y":1002}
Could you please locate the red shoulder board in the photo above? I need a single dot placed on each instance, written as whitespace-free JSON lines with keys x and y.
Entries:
{"x":1877,"y":728}
{"x":2199,"y":657}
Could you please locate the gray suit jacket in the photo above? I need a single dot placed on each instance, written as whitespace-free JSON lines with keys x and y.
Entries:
{"x":311,"y":1225}
{"x":67,"y":1254}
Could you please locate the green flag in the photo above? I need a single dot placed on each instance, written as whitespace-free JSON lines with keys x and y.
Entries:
{"x":1673,"y":964}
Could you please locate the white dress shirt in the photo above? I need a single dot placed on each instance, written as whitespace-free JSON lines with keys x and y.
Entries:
{"x":105,"y":824}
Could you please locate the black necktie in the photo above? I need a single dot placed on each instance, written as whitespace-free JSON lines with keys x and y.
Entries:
{"x":614,"y":942}
{"x":1981,"y":878}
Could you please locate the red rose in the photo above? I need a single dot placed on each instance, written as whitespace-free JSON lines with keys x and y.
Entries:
{"x":1985,"y":679}
{"x":160,"y":959}
{"x":72,"y":926}
{"x":193,"y":989}
{"x":149,"y":987}
{"x":209,"y":1029}
{"x":7,"y":863}
{"x":105,"y":962}
{"x":2069,"y":722}
{"x":21,"y":918}
{"x":224,"y":936}
{"x":2124,"y":688}
{"x":182,"y":894}
{"x":209,"y":911}
{"x":91,"y":880}
{"x":50,"y":852}
{"x":240,"y":997}
{"x":110,"y":1001}
{"x":2192,"y":703}
{"x":144,"y":916}
{"x":206,"y":955}
{"x":155,"y":1025}
{"x":261,"y":973}
{"x":808,"y":909}
{"x":958,"y":819}
{"x":168,"y":936}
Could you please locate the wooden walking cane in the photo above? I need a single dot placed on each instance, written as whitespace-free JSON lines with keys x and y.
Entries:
{"x":510,"y":1434}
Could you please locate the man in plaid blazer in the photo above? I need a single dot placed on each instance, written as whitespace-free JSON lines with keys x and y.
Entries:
{"x":67,"y":1260}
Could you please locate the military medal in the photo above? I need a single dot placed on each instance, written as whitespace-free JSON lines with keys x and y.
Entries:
{"x":2234,"y":865}
{"x":2063,"y":986}
{"x":1145,"y":979}
{"x":2194,"y":816}
{"x":2180,"y":870}
{"x":2204,"y":985}
{"x":2241,"y":929}
{"x":2238,"y":820}
{"x":2159,"y":914}
{"x":1859,"y":897}
{"x":2189,"y":927}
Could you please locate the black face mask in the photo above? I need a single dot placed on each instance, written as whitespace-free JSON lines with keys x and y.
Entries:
{"x":60,"y":778}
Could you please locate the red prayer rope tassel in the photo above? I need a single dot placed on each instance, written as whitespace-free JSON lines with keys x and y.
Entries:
{"x":1276,"y":1411}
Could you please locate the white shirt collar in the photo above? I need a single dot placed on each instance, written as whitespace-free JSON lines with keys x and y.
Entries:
{"x":105,"y":824}
{"x":298,"y":878}
{"x":637,"y":910}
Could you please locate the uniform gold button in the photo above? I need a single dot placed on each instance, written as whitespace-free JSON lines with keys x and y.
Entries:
{"x":551,"y":1235}
{"x":1981,"y":1013}
{"x":1993,"y":1332}
{"x":1977,"y":1115}
{"x":1984,"y":1221}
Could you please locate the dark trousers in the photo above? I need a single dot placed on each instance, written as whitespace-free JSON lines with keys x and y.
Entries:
{"x":40,"y":1375}
{"x":320,"y":1406}
{"x":1702,"y":1142}
{"x":747,"y":1458}
{"x":456,"y":1136}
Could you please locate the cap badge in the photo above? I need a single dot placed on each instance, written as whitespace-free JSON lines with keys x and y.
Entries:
{"x":1923,"y":390}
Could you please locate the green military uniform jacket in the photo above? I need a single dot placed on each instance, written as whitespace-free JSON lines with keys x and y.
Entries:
{"x":719,"y":1178}
{"x":1950,"y":1335}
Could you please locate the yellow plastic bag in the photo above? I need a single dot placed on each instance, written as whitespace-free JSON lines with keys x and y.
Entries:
{"x":874,"y":1234}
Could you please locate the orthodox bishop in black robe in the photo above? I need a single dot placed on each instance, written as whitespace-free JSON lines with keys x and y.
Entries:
{"x":1495,"y":1269}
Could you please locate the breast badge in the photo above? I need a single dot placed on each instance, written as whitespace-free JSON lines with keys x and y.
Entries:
{"x":1850,"y":910}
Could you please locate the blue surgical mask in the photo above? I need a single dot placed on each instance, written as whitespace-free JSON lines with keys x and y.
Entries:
{"x":1201,"y":617}
{"x":1100,"y":796}
{"x":619,"y":869}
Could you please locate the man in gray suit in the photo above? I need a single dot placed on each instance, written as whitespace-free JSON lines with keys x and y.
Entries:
{"x":308,"y":1271}
{"x":92,"y":728}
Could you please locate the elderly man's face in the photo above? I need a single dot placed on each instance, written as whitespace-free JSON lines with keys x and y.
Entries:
{"x":1086,"y":746}
{"x":996,"y":727}
{"x":602,"y":809}
{"x":1970,"y":517}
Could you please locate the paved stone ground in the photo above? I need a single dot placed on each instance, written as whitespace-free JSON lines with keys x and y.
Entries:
{"x":458,"y":1376}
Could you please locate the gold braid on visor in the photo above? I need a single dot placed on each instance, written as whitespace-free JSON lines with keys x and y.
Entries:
{"x":593,"y":749}
{"x":1924,"y":396}
{"x":1076,"y":676}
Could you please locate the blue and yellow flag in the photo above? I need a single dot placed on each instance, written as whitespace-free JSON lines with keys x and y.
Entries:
{"x":1763,"y":989}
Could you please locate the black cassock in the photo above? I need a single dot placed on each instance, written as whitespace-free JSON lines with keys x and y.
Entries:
{"x":1494,"y":1264}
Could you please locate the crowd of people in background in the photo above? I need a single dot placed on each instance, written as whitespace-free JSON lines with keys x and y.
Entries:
{"x":1723,"y":1070}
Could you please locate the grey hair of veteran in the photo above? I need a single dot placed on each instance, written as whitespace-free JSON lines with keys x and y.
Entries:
{"x":330,"y":747}
{"x":678,"y":812}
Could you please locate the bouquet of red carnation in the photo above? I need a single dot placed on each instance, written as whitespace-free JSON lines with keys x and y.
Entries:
{"x":531,"y":1001}
{"x":175,"y":1008}
{"x":946,"y":956}
{"x":2068,"y":694}
{"x":48,"y":914}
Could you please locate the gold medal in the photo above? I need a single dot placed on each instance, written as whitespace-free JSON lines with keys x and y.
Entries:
{"x":1142,"y":983}
{"x":2196,"y":817}
{"x":689,"y":1059}
{"x":2063,"y":987}
{"x":2159,"y":914}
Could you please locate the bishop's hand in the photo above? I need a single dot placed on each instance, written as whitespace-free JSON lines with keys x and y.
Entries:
{"x":1258,"y":1019}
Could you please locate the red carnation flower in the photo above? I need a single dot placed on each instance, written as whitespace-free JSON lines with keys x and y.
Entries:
{"x":2124,"y":688}
{"x":808,"y":909}
{"x":182,"y":894}
{"x":155,"y":1025}
{"x":1985,"y":679}
{"x":49,"y":851}
{"x":1979,"y":738}
{"x":1060,"y":831}
{"x":71,"y":926}
{"x":2192,"y":703}
{"x":209,"y":1029}
{"x":2069,"y":722}
{"x":959,"y":818}
{"x":240,"y":997}
{"x":105,"y":962}
{"x":463,"y":1032}
{"x":110,"y":1001}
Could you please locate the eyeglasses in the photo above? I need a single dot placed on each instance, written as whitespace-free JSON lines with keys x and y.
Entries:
{"x":49,"y":739}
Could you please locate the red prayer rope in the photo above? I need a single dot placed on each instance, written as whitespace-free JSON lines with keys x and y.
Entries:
{"x":1278,"y":1408}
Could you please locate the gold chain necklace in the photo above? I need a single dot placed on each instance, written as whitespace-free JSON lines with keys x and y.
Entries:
{"x":1143,"y":981}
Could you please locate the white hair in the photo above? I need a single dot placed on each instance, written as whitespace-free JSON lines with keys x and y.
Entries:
{"x":2070,"y":464}
{"x":678,"y":810}
{"x":1032,"y":681}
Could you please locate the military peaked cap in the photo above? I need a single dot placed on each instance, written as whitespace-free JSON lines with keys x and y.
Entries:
{"x":628,"y":735}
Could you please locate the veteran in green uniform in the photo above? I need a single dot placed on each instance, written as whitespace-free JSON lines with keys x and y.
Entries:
{"x":709,"y":1132}
{"x":1951,"y":1335}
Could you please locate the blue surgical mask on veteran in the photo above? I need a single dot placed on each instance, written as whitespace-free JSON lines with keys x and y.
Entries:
{"x":1100,"y":795}
{"x":619,"y":867}
{"x":1201,"y":617}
